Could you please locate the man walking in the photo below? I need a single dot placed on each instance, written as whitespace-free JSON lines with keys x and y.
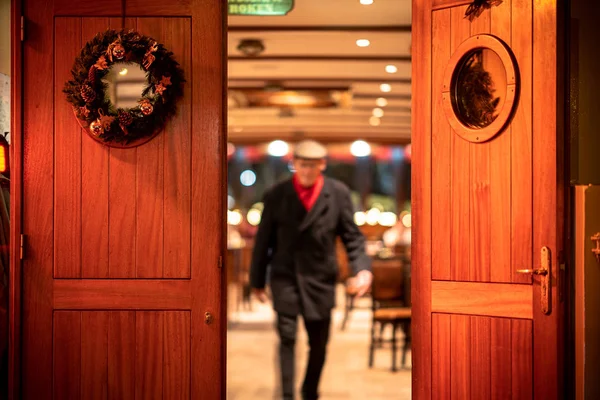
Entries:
{"x":297,"y":238}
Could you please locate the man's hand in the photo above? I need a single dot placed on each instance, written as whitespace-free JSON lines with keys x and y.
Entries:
{"x":363,"y":282}
{"x":261,"y":295}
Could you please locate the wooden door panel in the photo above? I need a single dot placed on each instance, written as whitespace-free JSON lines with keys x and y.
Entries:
{"x":481,"y":357}
{"x":97,"y":353}
{"x":150,"y":188}
{"x":486,"y":186}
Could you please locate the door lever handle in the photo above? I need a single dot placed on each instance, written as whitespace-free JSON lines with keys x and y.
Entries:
{"x":539,"y":271}
{"x":545,"y":281}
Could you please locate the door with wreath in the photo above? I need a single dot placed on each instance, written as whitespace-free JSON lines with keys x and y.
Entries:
{"x":122,"y":203}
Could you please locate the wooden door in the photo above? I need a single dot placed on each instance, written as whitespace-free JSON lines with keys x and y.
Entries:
{"x":482,"y":211}
{"x":122,"y":245}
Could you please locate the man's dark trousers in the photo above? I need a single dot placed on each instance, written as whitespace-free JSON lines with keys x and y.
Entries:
{"x":318,"y":336}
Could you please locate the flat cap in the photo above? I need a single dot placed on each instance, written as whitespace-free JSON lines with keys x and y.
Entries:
{"x":310,"y":150}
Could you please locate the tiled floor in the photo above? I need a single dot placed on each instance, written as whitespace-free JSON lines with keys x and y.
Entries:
{"x":252,"y":373}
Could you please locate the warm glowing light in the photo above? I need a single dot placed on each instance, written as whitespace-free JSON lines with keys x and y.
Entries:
{"x":378,"y":112}
{"x":360,"y":148}
{"x":278,"y":148}
{"x":123,"y":71}
{"x":385,"y":87}
{"x":363,"y":43}
{"x":374,"y":121}
{"x":388,"y":219}
{"x":391,"y":69}
{"x":248,"y":178}
{"x":360,"y":218}
{"x":253,"y":217}
{"x":381,"y":102}
{"x":373,"y":216}
{"x":406,"y":220}
{"x":366,"y":2}
{"x":234,"y":217}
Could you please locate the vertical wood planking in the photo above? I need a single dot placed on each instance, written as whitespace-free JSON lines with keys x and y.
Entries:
{"x":177,"y":159}
{"x":500,"y":172}
{"x":441,"y":374}
{"x":460,"y":356}
{"x":38,"y":222}
{"x":121,"y":355}
{"x":94,"y":355}
{"x":177,"y":374}
{"x":421,"y":125}
{"x":67,"y":155}
{"x":150,"y":187}
{"x":122,"y":201}
{"x":481,"y":358}
{"x":460,"y":167}
{"x":94,"y":187}
{"x":522,"y":144}
{"x":522,"y":359}
{"x":501,"y":361}
{"x":441,"y":135}
{"x":67,"y":355}
{"x":480,"y":208}
{"x":149,"y":355}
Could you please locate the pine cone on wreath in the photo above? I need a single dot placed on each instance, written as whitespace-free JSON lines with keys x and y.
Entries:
{"x":92,"y":74}
{"x":88,"y":94}
{"x":125,"y":118}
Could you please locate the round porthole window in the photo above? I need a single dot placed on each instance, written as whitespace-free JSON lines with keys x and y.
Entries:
{"x":480,"y":88}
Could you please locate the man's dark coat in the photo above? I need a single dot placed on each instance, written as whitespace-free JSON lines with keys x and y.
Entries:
{"x":300,"y":248}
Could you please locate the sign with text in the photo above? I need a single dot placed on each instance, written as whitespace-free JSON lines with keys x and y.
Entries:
{"x":260,"y":7}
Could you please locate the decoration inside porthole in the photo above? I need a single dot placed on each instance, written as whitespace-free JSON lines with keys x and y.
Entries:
{"x":125,"y":88}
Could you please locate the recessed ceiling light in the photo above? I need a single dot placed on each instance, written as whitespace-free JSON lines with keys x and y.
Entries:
{"x":363,"y":43}
{"x":378,"y":112}
{"x":385,"y":87}
{"x":366,"y":2}
{"x":381,"y":102}
{"x":391,"y":69}
{"x":360,"y":148}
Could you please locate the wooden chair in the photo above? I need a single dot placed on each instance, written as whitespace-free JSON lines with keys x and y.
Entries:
{"x":389,"y":308}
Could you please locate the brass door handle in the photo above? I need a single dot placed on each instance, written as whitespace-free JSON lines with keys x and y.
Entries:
{"x":545,"y":280}
{"x":539,"y":271}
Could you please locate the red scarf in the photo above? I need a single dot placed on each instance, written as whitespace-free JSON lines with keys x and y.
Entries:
{"x":308,"y":195}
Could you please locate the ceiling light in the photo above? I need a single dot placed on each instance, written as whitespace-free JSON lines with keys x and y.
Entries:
{"x":374,"y":121}
{"x":381,"y":102}
{"x":366,"y":2}
{"x":391,"y":69}
{"x":253,"y":217}
{"x":123,"y":71}
{"x":363,"y":43}
{"x":378,"y":112}
{"x":360,"y":148}
{"x":385,"y":87}
{"x":278,"y":148}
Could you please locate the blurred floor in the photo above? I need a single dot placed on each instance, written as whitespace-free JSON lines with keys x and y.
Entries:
{"x":251,"y":359}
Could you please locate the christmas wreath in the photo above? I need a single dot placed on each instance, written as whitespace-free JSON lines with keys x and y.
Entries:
{"x":88,"y":91}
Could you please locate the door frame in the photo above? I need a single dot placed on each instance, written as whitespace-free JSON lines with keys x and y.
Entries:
{"x":16,"y":154}
{"x":549,"y":225}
